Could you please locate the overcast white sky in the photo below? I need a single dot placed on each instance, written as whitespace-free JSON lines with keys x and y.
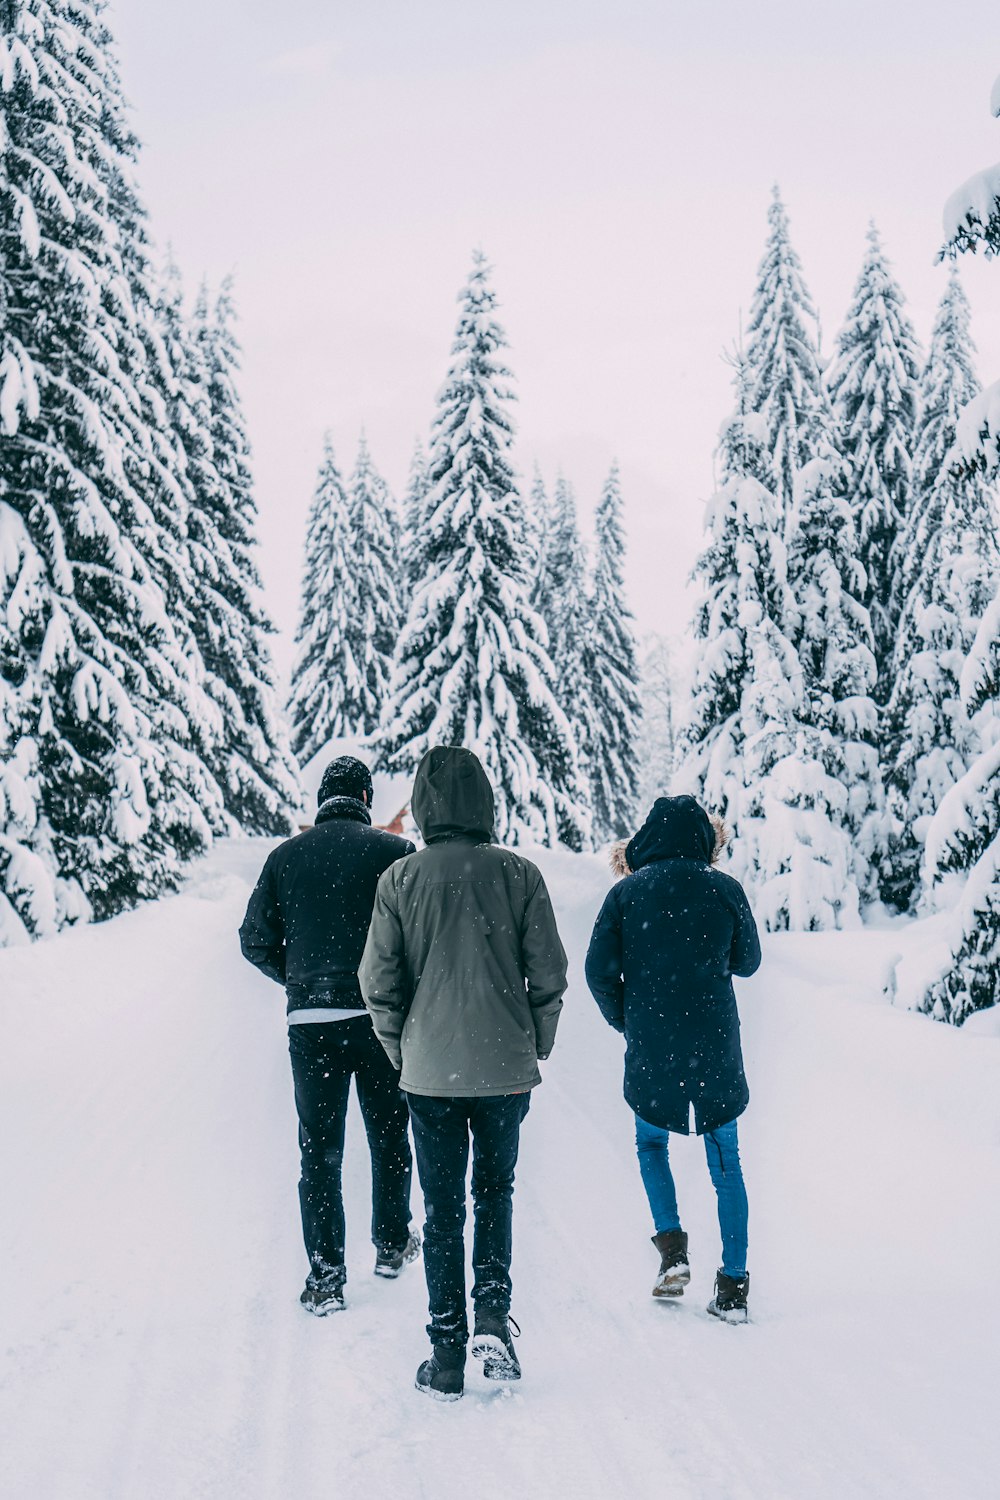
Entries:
{"x":614,"y":158}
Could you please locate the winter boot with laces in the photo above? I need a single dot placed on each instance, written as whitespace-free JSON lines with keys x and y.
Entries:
{"x":493,"y":1343}
{"x":323,"y":1294}
{"x":443,"y":1375}
{"x":389,"y":1262}
{"x":730,"y":1300}
{"x":674,"y":1273}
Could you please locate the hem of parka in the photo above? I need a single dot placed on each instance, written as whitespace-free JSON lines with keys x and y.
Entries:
{"x":703,"y":1125}
{"x":487,"y":1091}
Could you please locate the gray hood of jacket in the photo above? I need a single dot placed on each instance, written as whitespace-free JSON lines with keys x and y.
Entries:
{"x":452,"y":797}
{"x":463,"y":972}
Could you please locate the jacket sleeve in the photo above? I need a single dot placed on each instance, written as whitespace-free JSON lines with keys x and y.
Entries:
{"x":383,"y":972}
{"x":744,"y":958}
{"x":262,"y":936}
{"x":604,"y":963}
{"x":544,"y":960}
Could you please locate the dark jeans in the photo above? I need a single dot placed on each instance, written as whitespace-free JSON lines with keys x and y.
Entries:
{"x":441,"y":1132}
{"x":324,"y":1057}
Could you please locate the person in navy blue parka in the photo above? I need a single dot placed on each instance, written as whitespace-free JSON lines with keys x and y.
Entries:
{"x":665,"y":946}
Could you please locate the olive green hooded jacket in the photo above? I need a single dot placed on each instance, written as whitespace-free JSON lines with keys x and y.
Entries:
{"x":463,"y":971}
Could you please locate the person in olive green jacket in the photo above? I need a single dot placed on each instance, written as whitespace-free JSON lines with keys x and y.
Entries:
{"x":463,"y":974}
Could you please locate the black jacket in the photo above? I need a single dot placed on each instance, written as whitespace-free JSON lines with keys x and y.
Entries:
{"x":667,"y":940}
{"x":308,"y":916}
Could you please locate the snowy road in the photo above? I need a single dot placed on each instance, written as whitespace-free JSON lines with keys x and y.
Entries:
{"x":153,"y":1347}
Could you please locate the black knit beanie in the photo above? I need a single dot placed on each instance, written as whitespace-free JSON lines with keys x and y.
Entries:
{"x":346,"y":777}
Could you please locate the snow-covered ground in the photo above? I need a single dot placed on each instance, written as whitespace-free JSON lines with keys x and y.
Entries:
{"x":153,"y":1347}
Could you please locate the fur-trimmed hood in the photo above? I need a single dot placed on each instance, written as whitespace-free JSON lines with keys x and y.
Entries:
{"x":723,"y":838}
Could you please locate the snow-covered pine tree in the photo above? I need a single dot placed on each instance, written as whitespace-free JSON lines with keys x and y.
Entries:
{"x":949,"y":567}
{"x":780,"y":742}
{"x":873,"y":383}
{"x":835,"y":780}
{"x":738,"y":624}
{"x":564,"y":606}
{"x":964,"y":837}
{"x":539,"y":528}
{"x":350,"y":616}
{"x":100,"y":671}
{"x":659,"y":695}
{"x":413,"y":525}
{"x":610,"y":674}
{"x":471,"y":668}
{"x":374,"y":618}
{"x":184,"y":801}
{"x":35,"y":900}
{"x":187,"y":716}
{"x":254,"y":769}
{"x":326,"y":681}
{"x":830,"y":841}
{"x":785,"y":383}
{"x":964,"y":834}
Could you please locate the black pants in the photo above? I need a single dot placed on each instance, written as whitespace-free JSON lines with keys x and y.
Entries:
{"x":324,"y":1057}
{"x":441,"y":1132}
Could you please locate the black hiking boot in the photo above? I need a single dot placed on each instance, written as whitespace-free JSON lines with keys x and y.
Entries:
{"x":390,"y":1262}
{"x":730,"y":1300}
{"x":493,"y":1343}
{"x":323,"y":1294}
{"x":443,"y":1375}
{"x":674,"y":1273}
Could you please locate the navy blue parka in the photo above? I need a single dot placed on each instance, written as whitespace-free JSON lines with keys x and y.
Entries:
{"x":664,"y":947}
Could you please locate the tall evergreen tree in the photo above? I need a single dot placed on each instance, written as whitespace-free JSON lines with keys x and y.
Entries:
{"x":95,"y":666}
{"x":837,"y":778}
{"x":785,"y":384}
{"x":185,"y":803}
{"x":949,"y":568}
{"x":964,"y":834}
{"x":659,"y":693}
{"x":964,"y":837}
{"x":565,"y":608}
{"x":413,"y":526}
{"x":539,"y":533}
{"x":374,"y":618}
{"x":873,"y":384}
{"x":178,"y":478}
{"x":327,"y":681}
{"x":610,"y":673}
{"x":739,"y":622}
{"x":35,"y":900}
{"x":781,"y":739}
{"x":471,"y":668}
{"x":255,"y":771}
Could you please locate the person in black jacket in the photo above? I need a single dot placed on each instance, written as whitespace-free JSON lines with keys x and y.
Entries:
{"x":667,"y":941}
{"x":305,"y":927}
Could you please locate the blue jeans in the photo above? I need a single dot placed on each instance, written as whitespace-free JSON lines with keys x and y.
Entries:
{"x":723,"y":1152}
{"x":443,"y":1129}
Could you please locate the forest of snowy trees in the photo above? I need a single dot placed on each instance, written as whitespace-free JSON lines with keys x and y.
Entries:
{"x":137,"y":712}
{"x":471,"y":614}
{"x":850,"y":567}
{"x":837,"y":699}
{"x":844,"y":716}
